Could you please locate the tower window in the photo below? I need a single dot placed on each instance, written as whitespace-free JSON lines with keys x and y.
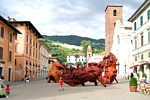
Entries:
{"x":114,"y":24}
{"x":89,"y":55}
{"x":115,"y":12}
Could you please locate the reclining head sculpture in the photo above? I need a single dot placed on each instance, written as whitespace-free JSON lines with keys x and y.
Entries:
{"x":92,"y":72}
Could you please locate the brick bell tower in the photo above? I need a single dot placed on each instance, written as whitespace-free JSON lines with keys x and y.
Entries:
{"x":112,"y":13}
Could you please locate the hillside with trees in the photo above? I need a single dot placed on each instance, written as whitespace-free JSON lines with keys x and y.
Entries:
{"x":76,"y":40}
{"x":59,"y":52}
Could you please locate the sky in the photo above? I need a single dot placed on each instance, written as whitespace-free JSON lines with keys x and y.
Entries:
{"x":84,"y":18}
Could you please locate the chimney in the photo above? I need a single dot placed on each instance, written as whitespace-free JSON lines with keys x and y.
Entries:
{"x":8,"y":18}
{"x":11,"y":19}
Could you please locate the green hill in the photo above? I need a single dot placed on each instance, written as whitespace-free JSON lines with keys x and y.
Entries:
{"x":76,"y":40}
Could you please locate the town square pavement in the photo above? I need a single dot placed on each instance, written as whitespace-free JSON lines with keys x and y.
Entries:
{"x":41,"y":90}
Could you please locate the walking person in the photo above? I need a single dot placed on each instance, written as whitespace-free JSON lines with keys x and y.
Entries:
{"x":27,"y":80}
{"x":61,"y":82}
{"x":131,"y":76}
{"x":7,"y":91}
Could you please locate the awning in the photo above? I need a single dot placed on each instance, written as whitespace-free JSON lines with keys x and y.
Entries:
{"x":145,"y":63}
{"x":137,"y":65}
{"x":134,"y":66}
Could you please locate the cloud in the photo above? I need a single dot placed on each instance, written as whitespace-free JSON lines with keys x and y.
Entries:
{"x":66,"y":17}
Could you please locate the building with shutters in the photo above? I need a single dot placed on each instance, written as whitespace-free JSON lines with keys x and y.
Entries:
{"x":44,"y":57}
{"x":141,"y":40}
{"x":27,"y":50}
{"x":8,"y":36}
{"x":75,"y":58}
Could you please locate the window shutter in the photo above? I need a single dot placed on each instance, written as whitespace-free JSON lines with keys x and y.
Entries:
{"x":149,"y":36}
{"x":10,"y":55}
{"x":142,"y":56}
{"x":1,"y":53}
{"x":135,"y":43}
{"x":135,"y":58}
{"x":10,"y":37}
{"x":148,"y":54}
{"x":148,"y":14}
{"x":141,"y":20}
{"x":2,"y":32}
{"x":134,"y":26}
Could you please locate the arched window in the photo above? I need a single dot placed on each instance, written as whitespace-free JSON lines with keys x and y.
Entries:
{"x":115,"y":12}
{"x":1,"y":53}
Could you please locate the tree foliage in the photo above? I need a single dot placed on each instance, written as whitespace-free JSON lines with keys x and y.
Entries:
{"x":85,"y":45}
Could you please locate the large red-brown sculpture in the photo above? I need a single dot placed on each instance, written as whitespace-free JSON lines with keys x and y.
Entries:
{"x":55,"y":72}
{"x":92,"y":72}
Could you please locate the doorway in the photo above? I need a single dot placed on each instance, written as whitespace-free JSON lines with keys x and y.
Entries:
{"x":149,"y":71}
{"x":125,"y":69}
{"x":9,"y":74}
{"x":1,"y":71}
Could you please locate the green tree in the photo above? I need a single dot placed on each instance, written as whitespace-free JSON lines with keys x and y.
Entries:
{"x":76,"y":56}
{"x":84,"y":63}
{"x":85,"y":44}
{"x":98,"y":50}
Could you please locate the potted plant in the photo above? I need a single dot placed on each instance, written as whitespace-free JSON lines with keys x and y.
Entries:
{"x":133,"y":84}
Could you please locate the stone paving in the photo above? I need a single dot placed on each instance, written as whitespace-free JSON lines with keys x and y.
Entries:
{"x":41,"y":90}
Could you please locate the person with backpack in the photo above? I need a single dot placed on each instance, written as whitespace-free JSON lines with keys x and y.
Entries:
{"x":1,"y":87}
